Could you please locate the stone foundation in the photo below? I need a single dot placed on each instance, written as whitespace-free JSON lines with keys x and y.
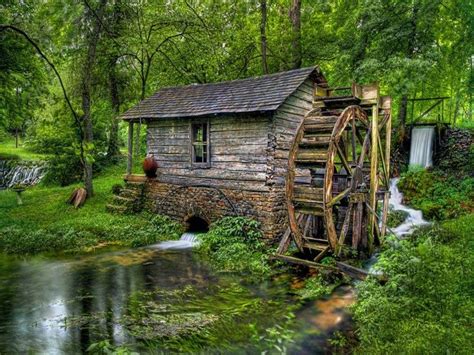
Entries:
{"x":210,"y":204}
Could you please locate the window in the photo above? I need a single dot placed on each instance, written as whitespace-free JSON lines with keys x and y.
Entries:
{"x":200,"y":144}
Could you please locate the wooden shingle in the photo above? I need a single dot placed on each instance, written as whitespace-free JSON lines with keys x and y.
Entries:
{"x":257,"y":94}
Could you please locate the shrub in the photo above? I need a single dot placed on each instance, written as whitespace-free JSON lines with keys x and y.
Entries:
{"x":396,"y":217}
{"x":427,"y":305}
{"x":437,"y":195}
{"x":235,"y":244}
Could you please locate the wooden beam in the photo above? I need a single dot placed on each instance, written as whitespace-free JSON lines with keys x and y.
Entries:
{"x":373,"y":176}
{"x":130,"y":148}
{"x":285,"y":242}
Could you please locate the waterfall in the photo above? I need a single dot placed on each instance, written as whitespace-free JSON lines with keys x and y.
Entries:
{"x":421,"y":150}
{"x":187,"y":241}
{"x":25,"y":173}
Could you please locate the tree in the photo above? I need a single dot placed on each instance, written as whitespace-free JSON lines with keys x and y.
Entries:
{"x":295,"y":16}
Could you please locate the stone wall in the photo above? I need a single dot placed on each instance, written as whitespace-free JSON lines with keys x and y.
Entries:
{"x":209,"y":203}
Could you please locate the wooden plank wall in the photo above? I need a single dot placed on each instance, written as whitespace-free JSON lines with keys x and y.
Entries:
{"x":238,"y":152}
{"x":285,"y":123}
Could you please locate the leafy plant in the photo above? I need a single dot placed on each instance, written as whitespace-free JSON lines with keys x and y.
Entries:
{"x":235,"y":244}
{"x":427,"y":304}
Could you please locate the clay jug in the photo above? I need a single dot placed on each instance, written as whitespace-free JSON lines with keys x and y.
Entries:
{"x":149,"y":166}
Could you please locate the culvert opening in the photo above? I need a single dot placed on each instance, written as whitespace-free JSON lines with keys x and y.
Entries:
{"x":196,"y":224}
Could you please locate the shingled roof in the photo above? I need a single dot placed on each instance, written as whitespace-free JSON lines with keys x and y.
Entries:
{"x":258,"y":94}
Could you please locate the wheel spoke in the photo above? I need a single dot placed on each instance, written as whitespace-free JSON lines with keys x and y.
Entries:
{"x":341,"y":155}
{"x":344,"y":229}
{"x":339,"y":197}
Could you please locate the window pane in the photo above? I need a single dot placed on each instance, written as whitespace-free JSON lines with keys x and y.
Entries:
{"x":198,"y":154}
{"x":197,"y":133}
{"x":200,"y":139}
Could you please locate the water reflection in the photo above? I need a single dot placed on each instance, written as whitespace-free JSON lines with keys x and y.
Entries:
{"x":39,"y":294}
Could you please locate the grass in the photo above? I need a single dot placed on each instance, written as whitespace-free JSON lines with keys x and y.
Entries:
{"x":427,"y":305}
{"x":46,"y":223}
{"x":9,"y":151}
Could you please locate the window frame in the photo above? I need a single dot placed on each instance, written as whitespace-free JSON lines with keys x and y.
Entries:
{"x":192,"y":124}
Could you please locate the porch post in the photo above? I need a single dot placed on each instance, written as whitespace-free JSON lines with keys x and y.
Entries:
{"x":130,"y":148}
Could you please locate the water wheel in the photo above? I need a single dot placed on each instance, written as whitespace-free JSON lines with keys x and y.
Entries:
{"x":337,"y":172}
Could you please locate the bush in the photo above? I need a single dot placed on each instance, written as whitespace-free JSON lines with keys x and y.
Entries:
{"x":427,"y":304}
{"x":235,"y":244}
{"x":437,"y":195}
{"x":396,"y":217}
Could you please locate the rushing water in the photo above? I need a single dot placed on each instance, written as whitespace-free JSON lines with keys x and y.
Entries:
{"x":414,"y":218}
{"x":64,"y":304}
{"x":13,"y":173}
{"x":421,"y":148}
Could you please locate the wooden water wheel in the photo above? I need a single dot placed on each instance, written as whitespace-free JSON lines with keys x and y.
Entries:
{"x":337,"y":173}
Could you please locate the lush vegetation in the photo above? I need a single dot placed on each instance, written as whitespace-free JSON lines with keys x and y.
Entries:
{"x":437,"y":194}
{"x":234,"y":244}
{"x":427,"y":305}
{"x":110,"y":54}
{"x":46,"y":223}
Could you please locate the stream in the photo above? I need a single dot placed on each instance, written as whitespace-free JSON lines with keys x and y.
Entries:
{"x":64,"y":304}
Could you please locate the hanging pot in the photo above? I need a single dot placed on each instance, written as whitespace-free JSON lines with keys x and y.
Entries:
{"x":149,"y":166}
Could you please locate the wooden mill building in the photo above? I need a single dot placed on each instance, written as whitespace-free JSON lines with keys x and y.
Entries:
{"x":256,"y":147}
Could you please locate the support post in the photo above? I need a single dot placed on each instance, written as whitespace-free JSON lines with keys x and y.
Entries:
{"x":388,"y":143}
{"x":130,"y":148}
{"x":373,"y":175}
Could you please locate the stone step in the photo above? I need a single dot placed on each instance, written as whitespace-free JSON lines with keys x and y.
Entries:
{"x":117,"y":209}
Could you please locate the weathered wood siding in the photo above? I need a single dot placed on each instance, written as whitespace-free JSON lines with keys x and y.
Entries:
{"x":238,"y":149}
{"x":284,"y":125}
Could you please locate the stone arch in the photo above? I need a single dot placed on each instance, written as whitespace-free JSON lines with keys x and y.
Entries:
{"x":205,"y":203}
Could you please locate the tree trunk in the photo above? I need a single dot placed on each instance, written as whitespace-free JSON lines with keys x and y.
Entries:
{"x":86,"y":88}
{"x":402,"y":115}
{"x":113,"y":145}
{"x":263,"y":34}
{"x":295,"y":17}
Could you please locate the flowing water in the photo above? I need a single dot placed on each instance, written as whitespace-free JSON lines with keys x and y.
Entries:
{"x":13,"y":173}
{"x":56,"y":305}
{"x":414,"y":218}
{"x":421,"y":148}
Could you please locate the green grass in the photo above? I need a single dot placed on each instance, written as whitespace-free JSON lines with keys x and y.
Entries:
{"x":46,"y":223}
{"x":427,"y":305}
{"x":9,"y":151}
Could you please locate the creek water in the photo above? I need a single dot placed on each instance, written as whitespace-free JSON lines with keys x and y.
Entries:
{"x":56,"y":305}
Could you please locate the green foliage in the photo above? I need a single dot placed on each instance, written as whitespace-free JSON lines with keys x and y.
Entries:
{"x":105,"y":348}
{"x":317,"y":286}
{"x":396,"y":217}
{"x":437,"y":195}
{"x":223,"y":317}
{"x":235,"y":244}
{"x":427,"y":304}
{"x":46,"y":224}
